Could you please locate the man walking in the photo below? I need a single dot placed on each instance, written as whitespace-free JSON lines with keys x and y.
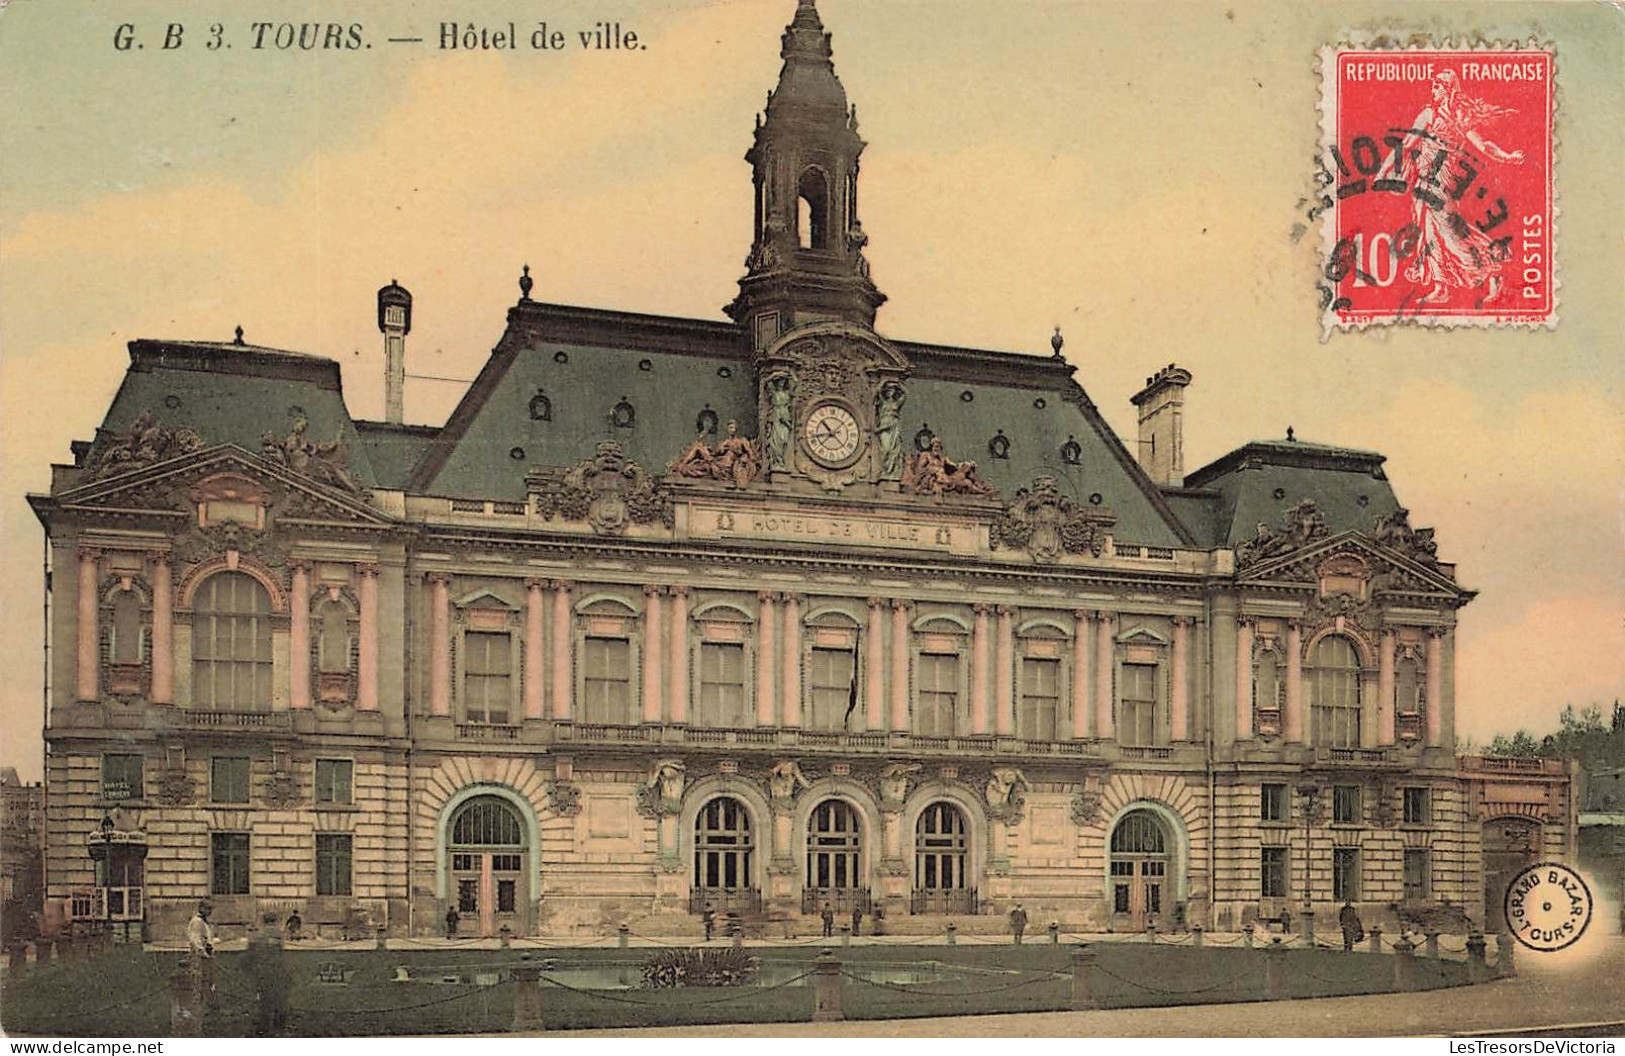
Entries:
{"x":200,"y":953}
{"x":1348,"y":918}
{"x":267,"y":968}
{"x":452,"y":917}
{"x":1018,"y":923}
{"x":828,"y":916}
{"x":857,"y":920}
{"x":709,"y":919}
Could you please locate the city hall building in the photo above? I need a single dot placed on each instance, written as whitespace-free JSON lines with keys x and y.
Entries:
{"x":754,"y":614}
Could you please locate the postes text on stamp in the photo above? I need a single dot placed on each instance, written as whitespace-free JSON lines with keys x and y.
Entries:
{"x":1438,"y":204}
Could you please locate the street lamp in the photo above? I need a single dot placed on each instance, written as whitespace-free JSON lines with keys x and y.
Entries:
{"x":107,"y":874}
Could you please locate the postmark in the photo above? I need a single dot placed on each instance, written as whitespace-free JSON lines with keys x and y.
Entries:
{"x":1437,"y":201}
{"x":1548,"y":906}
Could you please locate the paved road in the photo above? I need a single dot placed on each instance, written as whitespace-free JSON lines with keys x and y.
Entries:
{"x":1578,"y":986}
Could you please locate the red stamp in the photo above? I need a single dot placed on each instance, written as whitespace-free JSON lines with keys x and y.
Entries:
{"x":1438,"y":205}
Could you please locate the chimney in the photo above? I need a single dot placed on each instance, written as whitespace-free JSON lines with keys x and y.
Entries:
{"x":1162,"y":434}
{"x":394,"y":322}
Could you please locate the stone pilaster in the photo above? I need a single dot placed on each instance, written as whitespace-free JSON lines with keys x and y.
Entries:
{"x":874,"y":667}
{"x":563,"y":683}
{"x":299,"y":637}
{"x":978,"y":669}
{"x":1292,"y":723}
{"x":790,"y":713}
{"x":1179,"y":675}
{"x":88,"y":687}
{"x":535,"y":649}
{"x":163,"y":630}
{"x":899,"y":664}
{"x":1004,"y":662}
{"x":1080,"y":668}
{"x":1105,"y":654}
{"x":767,"y":607}
{"x":1244,"y":678}
{"x":366,"y":688}
{"x":677,"y":683}
{"x":439,"y":644}
{"x":654,"y":622}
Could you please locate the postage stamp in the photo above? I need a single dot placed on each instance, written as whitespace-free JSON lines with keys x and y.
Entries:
{"x":1438,"y":205}
{"x":1548,"y":906}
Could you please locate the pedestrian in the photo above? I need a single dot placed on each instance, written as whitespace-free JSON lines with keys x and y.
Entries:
{"x":295,"y":926}
{"x":1018,"y":923}
{"x":709,"y":919}
{"x":879,"y":915}
{"x":828,"y":916}
{"x":857,"y":919}
{"x":452,"y":917}
{"x":267,"y":970}
{"x":200,"y":953}
{"x":1353,"y":931}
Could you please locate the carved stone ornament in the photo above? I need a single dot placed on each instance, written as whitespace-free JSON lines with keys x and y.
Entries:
{"x":932,"y":473}
{"x":662,"y":792}
{"x":894,"y":779}
{"x":1005,"y":786}
{"x":202,"y":543}
{"x":1047,"y":524}
{"x":282,"y":790}
{"x":1086,"y":805}
{"x":607,"y":491}
{"x":565,"y":798}
{"x":781,"y":867}
{"x":175,"y":788}
{"x":783,"y":780}
{"x":1328,"y":607}
{"x":1383,"y":814}
{"x":1303,"y":524}
{"x":1395,"y":533}
{"x":325,"y":463}
{"x":735,"y":460}
{"x":143,"y":444}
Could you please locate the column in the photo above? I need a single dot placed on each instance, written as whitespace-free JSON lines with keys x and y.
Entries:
{"x":677,"y":686}
{"x":1105,"y":650}
{"x":1244,"y":678}
{"x":766,"y":649}
{"x":1385,"y":688}
{"x":874,"y":668}
{"x":163,"y":630}
{"x":1435,"y":687}
{"x":978,"y":670}
{"x":653,"y":620}
{"x":1080,"y":679}
{"x":791,"y":715}
{"x":366,"y":676}
{"x":1004,"y":663}
{"x":1292,"y":721}
{"x":439,"y":645}
{"x":299,"y":637}
{"x":1178,"y":692}
{"x":563,"y":684}
{"x":899,"y":664}
{"x":90,"y":646}
{"x":535,"y":691}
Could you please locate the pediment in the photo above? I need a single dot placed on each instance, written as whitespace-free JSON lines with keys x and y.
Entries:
{"x":858,"y":346}
{"x":1351,"y":557}
{"x":233,"y":480}
{"x":484,"y":599}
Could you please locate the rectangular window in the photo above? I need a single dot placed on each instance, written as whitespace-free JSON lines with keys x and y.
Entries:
{"x":722,"y":685}
{"x":831,"y":689}
{"x":606,"y":691}
{"x":228,"y":779}
{"x":1040,"y":699}
{"x":333,"y":781}
{"x":1418,"y":809}
{"x":1272,"y":872}
{"x":122,"y":777}
{"x":1345,"y":874}
{"x":1346,"y":805}
{"x":1418,"y":873}
{"x":487,"y":676}
{"x":332,"y":864}
{"x":1137,"y":724}
{"x":1272,"y":802}
{"x":939,"y":694}
{"x":228,"y":855}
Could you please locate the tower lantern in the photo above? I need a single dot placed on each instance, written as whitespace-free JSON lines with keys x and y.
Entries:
{"x":394,"y":322}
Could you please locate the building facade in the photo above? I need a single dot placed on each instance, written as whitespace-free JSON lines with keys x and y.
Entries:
{"x":753,"y":614}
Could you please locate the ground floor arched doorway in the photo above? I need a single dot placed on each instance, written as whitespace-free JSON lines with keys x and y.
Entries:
{"x":1510,"y":846}
{"x":489,"y":858}
{"x":1141,"y":886}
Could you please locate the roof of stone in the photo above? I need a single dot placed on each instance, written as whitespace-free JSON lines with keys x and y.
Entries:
{"x":231,"y":393}
{"x":1260,"y":481}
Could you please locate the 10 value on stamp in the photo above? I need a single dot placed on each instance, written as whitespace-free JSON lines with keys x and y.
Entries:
{"x":1439,"y":192}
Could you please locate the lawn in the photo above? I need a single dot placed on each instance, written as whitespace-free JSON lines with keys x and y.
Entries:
{"x":125,"y":992}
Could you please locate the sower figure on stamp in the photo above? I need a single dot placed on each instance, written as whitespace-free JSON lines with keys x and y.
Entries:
{"x":1018,"y":923}
{"x":1348,"y":918}
{"x":267,"y":969}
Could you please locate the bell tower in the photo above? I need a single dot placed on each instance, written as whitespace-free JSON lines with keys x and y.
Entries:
{"x":806,"y":262}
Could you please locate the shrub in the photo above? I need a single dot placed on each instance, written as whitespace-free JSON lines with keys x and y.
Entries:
{"x":696,"y":967}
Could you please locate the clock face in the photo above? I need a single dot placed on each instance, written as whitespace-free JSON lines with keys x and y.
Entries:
{"x":831,"y":434}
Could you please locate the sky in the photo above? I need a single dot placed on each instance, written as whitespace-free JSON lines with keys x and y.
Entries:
{"x":1133,"y":173}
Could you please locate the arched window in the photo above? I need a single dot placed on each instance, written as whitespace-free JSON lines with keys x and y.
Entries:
{"x":1139,"y":833}
{"x":231,"y":644}
{"x":1334,"y":693}
{"x":127,"y":638}
{"x":812,"y":210}
{"x":941,"y":853}
{"x":1139,"y":868}
{"x":487,"y":849}
{"x":723,"y":846}
{"x":834,"y":848}
{"x":332,"y":638}
{"x":486,"y":821}
{"x":1269,"y":690}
